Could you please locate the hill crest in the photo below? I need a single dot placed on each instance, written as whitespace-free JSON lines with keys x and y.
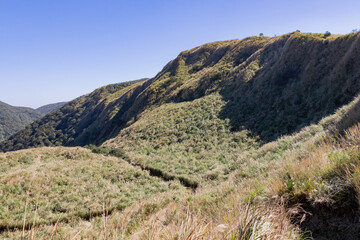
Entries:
{"x":270,"y":86}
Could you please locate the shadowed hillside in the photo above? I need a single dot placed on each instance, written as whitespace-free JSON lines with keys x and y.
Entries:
{"x":297,"y":80}
{"x":13,"y":119}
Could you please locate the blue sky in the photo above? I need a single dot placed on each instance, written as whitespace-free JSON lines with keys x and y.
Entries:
{"x":57,"y":50}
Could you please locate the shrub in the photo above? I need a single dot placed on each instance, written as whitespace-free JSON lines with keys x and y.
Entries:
{"x":116,"y":152}
{"x":119,"y":152}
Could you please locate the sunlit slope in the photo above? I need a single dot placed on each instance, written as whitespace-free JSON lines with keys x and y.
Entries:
{"x":260,"y":197}
{"x":47,"y":185}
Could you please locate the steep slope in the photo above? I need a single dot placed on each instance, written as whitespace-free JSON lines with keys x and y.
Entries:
{"x":269,"y":86}
{"x":213,"y":119}
{"x":12,"y":119}
{"x":210,"y":104}
{"x":50,"y":108}
{"x":308,"y":179}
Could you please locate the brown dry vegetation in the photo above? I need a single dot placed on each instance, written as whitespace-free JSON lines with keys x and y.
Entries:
{"x":49,"y":185}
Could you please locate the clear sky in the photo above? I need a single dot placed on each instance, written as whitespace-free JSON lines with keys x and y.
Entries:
{"x":57,"y":50}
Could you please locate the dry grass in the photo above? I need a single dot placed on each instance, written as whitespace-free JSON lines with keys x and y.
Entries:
{"x":49,"y":185}
{"x":324,"y":171}
{"x":291,"y":166}
{"x":247,"y":211}
{"x":185,"y":139}
{"x":252,"y":203}
{"x":212,"y":214}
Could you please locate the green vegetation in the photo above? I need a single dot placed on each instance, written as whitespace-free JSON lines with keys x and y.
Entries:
{"x":47,"y":185}
{"x":327,"y":34}
{"x":76,"y":123}
{"x":242,"y":139}
{"x":12,"y":119}
{"x":50,"y":108}
{"x":269,"y":86}
{"x":185,"y":140}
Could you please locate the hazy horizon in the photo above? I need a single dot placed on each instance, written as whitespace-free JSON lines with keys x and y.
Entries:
{"x":57,"y":51}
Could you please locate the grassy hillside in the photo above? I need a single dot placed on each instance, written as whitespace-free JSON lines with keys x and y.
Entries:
{"x":268,"y":86}
{"x":12,"y":119}
{"x":185,"y":140}
{"x":225,"y":99}
{"x":50,"y":108}
{"x":49,"y":185}
{"x":301,"y":186}
{"x":242,"y":139}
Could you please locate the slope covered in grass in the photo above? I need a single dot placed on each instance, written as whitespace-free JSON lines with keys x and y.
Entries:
{"x":216,"y":211}
{"x":185,"y":140}
{"x":247,"y":122}
{"x":12,"y":119}
{"x":269,"y":86}
{"x":47,"y":185}
{"x":210,"y":104}
{"x":303,"y":186}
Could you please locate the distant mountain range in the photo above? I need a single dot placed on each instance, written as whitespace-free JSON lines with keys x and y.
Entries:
{"x":12,"y":119}
{"x":50,"y":107}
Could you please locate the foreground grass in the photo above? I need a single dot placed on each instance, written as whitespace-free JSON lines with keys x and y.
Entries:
{"x":266,"y":193}
{"x":219,"y":213}
{"x":258,"y":206}
{"x":50,"y":185}
{"x":235,"y":209}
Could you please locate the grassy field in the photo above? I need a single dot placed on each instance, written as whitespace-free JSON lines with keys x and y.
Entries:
{"x":47,"y":185}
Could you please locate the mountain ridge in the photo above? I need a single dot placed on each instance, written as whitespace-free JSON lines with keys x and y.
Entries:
{"x":253,"y":138}
{"x":48,"y":108}
{"x":282,"y":88}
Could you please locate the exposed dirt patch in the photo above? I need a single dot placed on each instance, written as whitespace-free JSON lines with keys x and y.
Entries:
{"x":336,"y":220}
